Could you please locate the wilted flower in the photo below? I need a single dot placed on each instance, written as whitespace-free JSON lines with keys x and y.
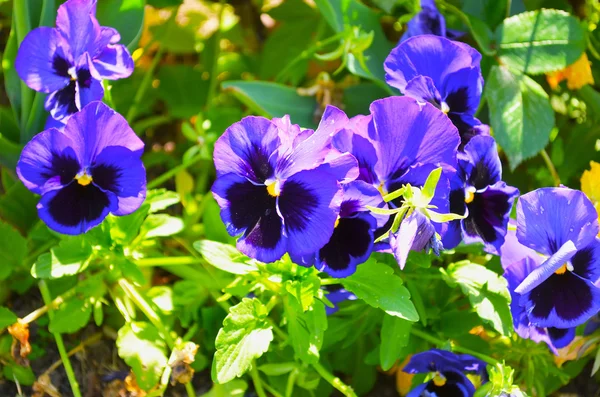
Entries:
{"x":70,"y":61}
{"x":278,"y":186}
{"x":91,"y":168}
{"x":442,"y":72}
{"x":447,"y":370}
{"x":478,"y":192}
{"x":401,"y":143}
{"x":562,"y":225}
{"x":428,"y":21}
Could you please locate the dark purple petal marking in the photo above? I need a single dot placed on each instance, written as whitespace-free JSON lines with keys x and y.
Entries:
{"x":458,"y":101}
{"x":61,"y":66}
{"x":486,"y":214}
{"x":296,"y":204}
{"x":65,"y":165}
{"x":352,"y":238}
{"x":76,"y":204}
{"x":456,"y":385}
{"x":561,"y":337}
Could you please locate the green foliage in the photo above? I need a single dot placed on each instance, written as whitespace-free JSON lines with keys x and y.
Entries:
{"x":245,"y":336}
{"x":13,"y":248}
{"x":127,"y":16}
{"x":520,"y":114}
{"x":224,"y":257}
{"x":6,"y":317}
{"x":377,"y":285}
{"x":395,"y":333}
{"x":70,"y":257}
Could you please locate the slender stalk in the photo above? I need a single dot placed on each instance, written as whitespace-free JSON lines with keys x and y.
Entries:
{"x":23,"y":26}
{"x":172,"y":172}
{"x":88,"y":342}
{"x":34,"y":315}
{"x":258,"y":386}
{"x":144,"y":85}
{"x":291,"y":382}
{"x":438,"y":342}
{"x":274,"y":392}
{"x":551,"y":167}
{"x":212,"y":87}
{"x":334,"y":380}
{"x":508,"y":7}
{"x":60,"y":343}
{"x":172,"y":261}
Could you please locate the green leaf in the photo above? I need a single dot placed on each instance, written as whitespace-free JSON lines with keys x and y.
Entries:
{"x":540,"y":41}
{"x":71,"y":316}
{"x":487,"y":292}
{"x":174,"y":89}
{"x":245,"y":336}
{"x":12,"y":83}
{"x":9,"y":153}
{"x":6,"y":318}
{"x":428,"y":189}
{"x":224,"y":257}
{"x":377,"y":285}
{"x":131,"y":271}
{"x":274,"y":100}
{"x":520,"y":114}
{"x":126,"y":16}
{"x":306,"y":328}
{"x":69,"y":257}
{"x":164,"y":3}
{"x":161,"y":225}
{"x":125,"y":228}
{"x":142,"y":348}
{"x":357,"y":98}
{"x":395,"y":333}
{"x":24,"y":375}
{"x":277,"y":369}
{"x":13,"y":248}
{"x":160,"y":199}
{"x":342,"y":15}
{"x":18,"y":207}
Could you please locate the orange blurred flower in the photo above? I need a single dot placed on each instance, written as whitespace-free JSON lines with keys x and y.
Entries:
{"x":577,"y":74}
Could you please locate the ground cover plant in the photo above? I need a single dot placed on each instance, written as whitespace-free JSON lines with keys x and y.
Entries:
{"x":299,"y":198}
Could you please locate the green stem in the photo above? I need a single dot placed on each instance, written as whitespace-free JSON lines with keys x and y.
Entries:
{"x":172,"y":172}
{"x":23,"y":26}
{"x":291,"y":382}
{"x":308,"y":53}
{"x":330,"y":281}
{"x":212,"y":87}
{"x":274,"y":392}
{"x":59,"y":341}
{"x":508,"y":7}
{"x":551,"y":167}
{"x":334,"y":380}
{"x":148,"y":311}
{"x":438,"y":342}
{"x":145,"y":84}
{"x":34,"y":315}
{"x":169,"y":261}
{"x":258,"y":386}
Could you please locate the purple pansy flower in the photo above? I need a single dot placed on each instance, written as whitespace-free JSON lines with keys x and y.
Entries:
{"x":400,"y":143}
{"x":91,"y":168}
{"x":352,"y":240}
{"x":70,"y":61}
{"x":561,"y":224}
{"x":279,"y":186}
{"x":443,"y":72}
{"x":448,"y":373}
{"x":429,"y":21}
{"x":478,"y":192}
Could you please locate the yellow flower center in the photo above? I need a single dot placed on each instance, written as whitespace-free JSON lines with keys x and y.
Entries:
{"x":469,"y":196}
{"x":382,"y":189}
{"x":439,"y":380}
{"x":445,"y":108}
{"x":337,"y":222}
{"x":562,"y":269}
{"x":274,"y":188}
{"x":84,"y":179}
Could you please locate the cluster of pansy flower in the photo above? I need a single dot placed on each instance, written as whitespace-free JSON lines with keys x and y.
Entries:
{"x":315,"y":194}
{"x":91,"y":164}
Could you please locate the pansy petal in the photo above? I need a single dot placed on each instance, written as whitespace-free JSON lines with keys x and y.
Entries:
{"x":96,"y":127}
{"x":586,"y":262}
{"x":592,"y":325}
{"x":309,"y":204}
{"x":414,"y":234}
{"x":409,"y":133}
{"x":549,"y":217}
{"x":48,"y":157}
{"x":417,"y":391}
{"x":75,"y":209}
{"x":114,"y":62}
{"x":311,"y":152}
{"x":74,"y":20}
{"x":488,"y":213}
{"x":350,"y":245}
{"x":462,"y":89}
{"x":337,"y":296}
{"x":423,"y":89}
{"x":451,"y":235}
{"x":354,"y":139}
{"x":121,"y":171}
{"x":39,"y":62}
{"x":469,"y":130}
{"x":427,"y":55}
{"x":547,"y":269}
{"x":427,"y":21}
{"x":88,"y":92}
{"x":359,"y":195}
{"x":483,"y":157}
{"x":561,"y":337}
{"x":246,"y":149}
{"x":562,"y":301}
{"x":61,"y":104}
{"x":249,"y":210}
